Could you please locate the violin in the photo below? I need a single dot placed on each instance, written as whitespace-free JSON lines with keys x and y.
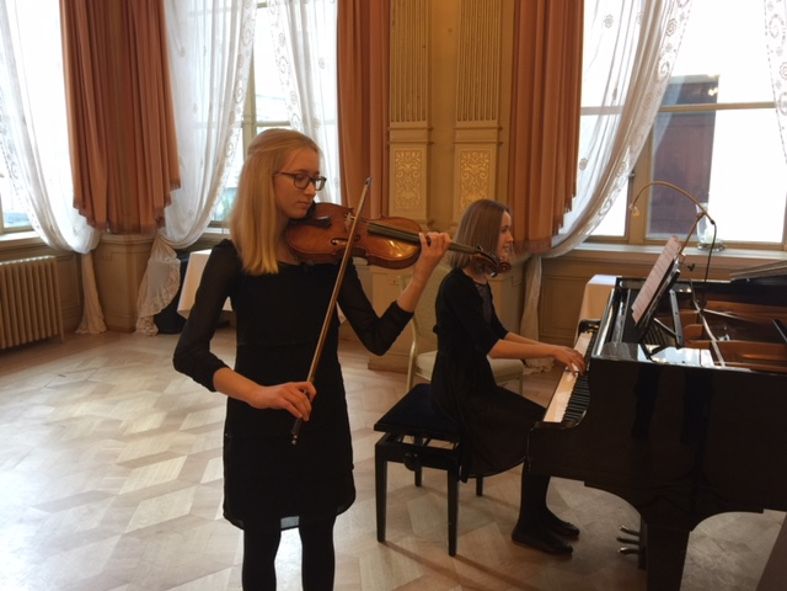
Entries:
{"x":390,"y":242}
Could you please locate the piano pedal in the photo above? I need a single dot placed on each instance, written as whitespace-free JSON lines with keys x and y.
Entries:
{"x":629,"y":531}
{"x":631,"y":539}
{"x":626,"y":550}
{"x":633,"y":544}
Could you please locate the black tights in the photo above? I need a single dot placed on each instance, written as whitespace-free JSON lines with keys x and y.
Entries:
{"x":533,"y":500}
{"x":261,"y":543}
{"x":317,"y":555}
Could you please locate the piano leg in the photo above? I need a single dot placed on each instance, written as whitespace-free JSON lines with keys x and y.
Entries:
{"x":666,"y":554}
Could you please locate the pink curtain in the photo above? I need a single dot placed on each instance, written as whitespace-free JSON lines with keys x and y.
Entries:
{"x":121,"y":125}
{"x":363,"y":50}
{"x":545,"y":118}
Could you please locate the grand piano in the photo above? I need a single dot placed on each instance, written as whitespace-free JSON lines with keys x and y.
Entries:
{"x":682,"y":414}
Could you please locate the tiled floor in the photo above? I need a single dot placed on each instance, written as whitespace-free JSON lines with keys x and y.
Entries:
{"x":111,"y":480}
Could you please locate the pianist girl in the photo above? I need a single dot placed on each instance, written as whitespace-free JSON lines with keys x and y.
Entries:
{"x":494,"y":421}
{"x":280,"y":305}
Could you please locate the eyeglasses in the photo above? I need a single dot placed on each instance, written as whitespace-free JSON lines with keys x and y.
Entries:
{"x":301,"y":180}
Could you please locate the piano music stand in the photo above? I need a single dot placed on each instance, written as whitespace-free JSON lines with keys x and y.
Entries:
{"x":659,"y":281}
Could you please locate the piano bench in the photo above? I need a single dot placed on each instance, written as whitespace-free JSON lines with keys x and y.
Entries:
{"x":419,"y":436}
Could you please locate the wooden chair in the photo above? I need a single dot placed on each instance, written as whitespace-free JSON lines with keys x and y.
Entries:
{"x":419,"y":436}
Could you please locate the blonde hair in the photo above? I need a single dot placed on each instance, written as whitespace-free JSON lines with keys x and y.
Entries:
{"x":253,"y":218}
{"x":479,"y":226}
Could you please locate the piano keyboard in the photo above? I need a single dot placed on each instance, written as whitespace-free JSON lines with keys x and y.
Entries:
{"x":572,"y":394}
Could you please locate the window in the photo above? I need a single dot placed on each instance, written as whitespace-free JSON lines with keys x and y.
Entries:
{"x":14,"y":218}
{"x":34,"y":45}
{"x":266,"y":106}
{"x":716,"y":136}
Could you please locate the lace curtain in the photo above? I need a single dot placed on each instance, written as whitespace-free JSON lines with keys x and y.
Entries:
{"x":210,"y":44}
{"x":776,"y":46}
{"x":305,"y":51}
{"x":630,"y":49}
{"x":34,"y":137}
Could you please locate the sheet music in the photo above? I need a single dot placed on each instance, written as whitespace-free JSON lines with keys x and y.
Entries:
{"x":648,"y":291}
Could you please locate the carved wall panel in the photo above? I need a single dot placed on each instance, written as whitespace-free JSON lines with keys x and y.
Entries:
{"x":408,"y":180}
{"x":477,"y":103}
{"x":474,"y":175}
{"x":409,"y":101}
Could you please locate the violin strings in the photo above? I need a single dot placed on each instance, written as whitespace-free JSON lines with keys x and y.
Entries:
{"x":403,"y":235}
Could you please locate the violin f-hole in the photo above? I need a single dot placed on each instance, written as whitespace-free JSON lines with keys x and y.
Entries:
{"x":343,"y":241}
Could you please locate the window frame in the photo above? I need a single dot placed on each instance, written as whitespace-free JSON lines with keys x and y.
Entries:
{"x":635,"y":229}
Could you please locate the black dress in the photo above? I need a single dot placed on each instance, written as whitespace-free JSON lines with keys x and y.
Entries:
{"x":494,"y":421}
{"x":279,"y":318}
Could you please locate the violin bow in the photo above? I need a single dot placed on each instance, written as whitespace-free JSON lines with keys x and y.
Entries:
{"x":295,"y":432}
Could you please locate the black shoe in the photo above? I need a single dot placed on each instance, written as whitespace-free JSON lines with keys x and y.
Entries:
{"x":541,"y":538}
{"x":560,"y":527}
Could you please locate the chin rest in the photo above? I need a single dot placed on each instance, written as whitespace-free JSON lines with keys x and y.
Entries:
{"x":419,"y":436}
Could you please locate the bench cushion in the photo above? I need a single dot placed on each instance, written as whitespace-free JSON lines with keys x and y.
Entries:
{"x":415,"y":415}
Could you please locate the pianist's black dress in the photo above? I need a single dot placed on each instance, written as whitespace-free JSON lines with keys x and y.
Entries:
{"x":279,"y":318}
{"x":494,"y":421}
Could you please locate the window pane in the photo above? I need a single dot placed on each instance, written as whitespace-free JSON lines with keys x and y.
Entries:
{"x":270,"y":103}
{"x":725,"y":41}
{"x":227,"y":197}
{"x":691,"y":89}
{"x":614,"y":223}
{"x":14,"y":216}
{"x":595,"y":127}
{"x":731,"y":160}
{"x":749,"y":177}
{"x":683,"y":151}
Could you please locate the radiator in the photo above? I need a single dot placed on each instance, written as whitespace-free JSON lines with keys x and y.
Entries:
{"x":29,"y":301}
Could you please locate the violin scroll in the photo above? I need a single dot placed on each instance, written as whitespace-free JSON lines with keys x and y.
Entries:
{"x":491,"y":264}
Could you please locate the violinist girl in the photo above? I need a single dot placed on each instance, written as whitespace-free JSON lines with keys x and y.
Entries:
{"x":280,"y":303}
{"x":494,"y":421}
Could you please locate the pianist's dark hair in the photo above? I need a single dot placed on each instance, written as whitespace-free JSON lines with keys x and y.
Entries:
{"x":480,"y":226}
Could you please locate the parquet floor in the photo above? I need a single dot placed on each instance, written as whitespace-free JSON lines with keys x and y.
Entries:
{"x":110,"y":480}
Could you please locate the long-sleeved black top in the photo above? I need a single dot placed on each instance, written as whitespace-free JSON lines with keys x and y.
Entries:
{"x":279,"y":318}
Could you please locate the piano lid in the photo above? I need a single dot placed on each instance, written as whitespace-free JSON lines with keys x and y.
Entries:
{"x":768,"y":273}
